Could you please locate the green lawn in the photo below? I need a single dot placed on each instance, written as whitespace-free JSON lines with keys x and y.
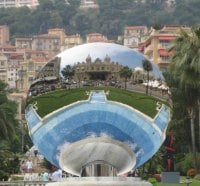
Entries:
{"x":54,"y":100}
{"x":194,"y":183}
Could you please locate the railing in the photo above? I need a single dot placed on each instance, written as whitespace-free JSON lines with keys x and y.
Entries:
{"x":23,"y":183}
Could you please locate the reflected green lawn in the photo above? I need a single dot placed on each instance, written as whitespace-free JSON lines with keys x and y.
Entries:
{"x":194,"y":183}
{"x":51,"y":101}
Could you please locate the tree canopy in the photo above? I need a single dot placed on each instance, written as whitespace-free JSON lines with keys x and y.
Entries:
{"x":110,"y":19}
{"x":147,"y":66}
{"x":9,"y":134}
{"x":125,"y":73}
{"x":184,"y":76}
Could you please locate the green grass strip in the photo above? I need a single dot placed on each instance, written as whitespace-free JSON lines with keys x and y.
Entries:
{"x":51,"y":101}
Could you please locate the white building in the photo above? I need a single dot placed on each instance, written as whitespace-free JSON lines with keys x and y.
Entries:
{"x":18,"y":3}
{"x":88,"y":4}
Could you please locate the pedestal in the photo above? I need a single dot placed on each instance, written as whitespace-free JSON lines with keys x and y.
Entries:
{"x":101,"y":181}
{"x":170,"y":177}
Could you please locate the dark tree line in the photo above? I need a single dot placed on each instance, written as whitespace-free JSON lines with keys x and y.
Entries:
{"x":109,"y":19}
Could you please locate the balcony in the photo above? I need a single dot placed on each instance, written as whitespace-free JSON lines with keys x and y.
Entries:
{"x":163,"y":63}
{"x":148,"y":50}
{"x":160,"y":46}
{"x":3,"y":69}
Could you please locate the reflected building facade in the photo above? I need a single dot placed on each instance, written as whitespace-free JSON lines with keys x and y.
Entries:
{"x":97,"y":69}
{"x":93,"y":61}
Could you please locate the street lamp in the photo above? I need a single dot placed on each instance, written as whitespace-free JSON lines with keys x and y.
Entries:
{"x":188,"y":181}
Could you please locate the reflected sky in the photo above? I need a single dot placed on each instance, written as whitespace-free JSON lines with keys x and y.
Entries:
{"x":117,"y":53}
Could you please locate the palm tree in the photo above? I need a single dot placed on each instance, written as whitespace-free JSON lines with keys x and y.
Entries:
{"x":147,"y":66}
{"x":9,"y":128}
{"x":68,"y":72}
{"x":7,"y":115}
{"x":185,"y":66}
{"x":125,"y":73}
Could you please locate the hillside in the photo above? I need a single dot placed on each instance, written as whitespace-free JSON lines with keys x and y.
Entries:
{"x":109,"y":19}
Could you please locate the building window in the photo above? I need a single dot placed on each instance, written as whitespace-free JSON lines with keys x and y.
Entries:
{"x":30,"y":67}
{"x":30,"y":78}
{"x":165,"y":59}
{"x":164,"y":43}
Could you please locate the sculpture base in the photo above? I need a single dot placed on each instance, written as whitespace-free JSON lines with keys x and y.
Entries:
{"x":170,"y":177}
{"x":101,"y":181}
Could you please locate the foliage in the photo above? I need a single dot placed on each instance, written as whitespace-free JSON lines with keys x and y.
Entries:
{"x":112,"y":16}
{"x":153,"y":166}
{"x":68,"y":72}
{"x":125,"y":73}
{"x":184,"y":162}
{"x":197,"y":177}
{"x":194,"y":183}
{"x":9,"y":135}
{"x":46,"y":164}
{"x":179,"y":121}
{"x":17,"y":177}
{"x":184,"y":79}
{"x":153,"y":181}
{"x":147,"y":66}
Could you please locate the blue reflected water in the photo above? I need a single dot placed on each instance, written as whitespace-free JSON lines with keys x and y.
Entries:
{"x":98,"y":117}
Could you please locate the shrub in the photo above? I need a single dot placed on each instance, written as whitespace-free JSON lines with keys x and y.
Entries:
{"x":197,"y":177}
{"x":191,"y":172}
{"x":157,"y":177}
{"x":152,"y":181}
{"x":4,"y":175}
{"x":17,"y":177}
{"x":185,"y":164}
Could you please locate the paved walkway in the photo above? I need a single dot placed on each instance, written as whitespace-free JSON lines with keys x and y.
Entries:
{"x":164,"y":96}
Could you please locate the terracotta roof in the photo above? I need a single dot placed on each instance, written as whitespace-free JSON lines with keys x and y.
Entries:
{"x":23,"y":39}
{"x":73,"y":36}
{"x":39,"y":59}
{"x":47,"y":36}
{"x":93,"y":34}
{"x":135,"y":27}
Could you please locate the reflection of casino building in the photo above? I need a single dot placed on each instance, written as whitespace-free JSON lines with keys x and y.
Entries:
{"x":97,"y":70}
{"x":50,"y":71}
{"x":89,"y":70}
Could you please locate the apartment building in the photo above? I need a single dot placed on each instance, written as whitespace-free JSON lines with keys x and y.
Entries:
{"x":29,"y":67}
{"x":18,"y":3}
{"x":3,"y":68}
{"x":4,"y":35}
{"x":133,"y":35}
{"x":38,"y":51}
{"x":23,"y":43}
{"x":20,"y":64}
{"x":47,"y":43}
{"x":13,"y":69}
{"x":58,"y":32}
{"x":10,"y":59}
{"x":95,"y":37}
{"x":85,"y":4}
{"x":72,"y":40}
{"x":156,"y":46}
